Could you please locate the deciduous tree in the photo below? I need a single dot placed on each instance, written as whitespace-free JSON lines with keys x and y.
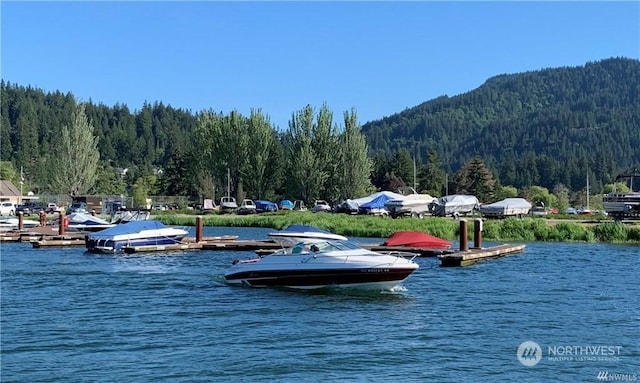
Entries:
{"x":355,"y":166}
{"x":75,"y":166}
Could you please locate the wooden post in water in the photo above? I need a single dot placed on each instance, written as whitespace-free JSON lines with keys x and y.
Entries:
{"x":61,"y":226}
{"x":477,"y":233}
{"x":464,"y":244}
{"x":198,"y":229}
{"x":20,"y":221}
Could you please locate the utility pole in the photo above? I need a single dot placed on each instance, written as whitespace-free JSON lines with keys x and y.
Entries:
{"x":21,"y":183}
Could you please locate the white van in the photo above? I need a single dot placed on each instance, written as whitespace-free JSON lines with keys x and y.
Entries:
{"x":7,"y":208}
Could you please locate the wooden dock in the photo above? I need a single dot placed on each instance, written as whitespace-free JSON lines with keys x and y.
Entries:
{"x":473,"y":255}
{"x":57,"y":242}
{"x":155,"y":248}
{"x":218,"y":244}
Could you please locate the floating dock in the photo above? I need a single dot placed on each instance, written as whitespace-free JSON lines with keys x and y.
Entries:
{"x":222,"y":245}
{"x":466,"y":256}
{"x":57,"y":242}
{"x":471,"y":256}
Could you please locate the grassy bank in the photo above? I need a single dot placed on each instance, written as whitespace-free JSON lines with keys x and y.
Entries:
{"x":510,"y":229}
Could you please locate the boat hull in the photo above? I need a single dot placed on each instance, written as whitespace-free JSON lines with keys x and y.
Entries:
{"x":135,"y":233}
{"x":379,"y":278}
{"x":114,"y":246}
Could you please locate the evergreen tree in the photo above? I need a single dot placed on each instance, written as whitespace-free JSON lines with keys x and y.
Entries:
{"x":403,"y":167}
{"x":475,"y":179}
{"x":432,"y":175}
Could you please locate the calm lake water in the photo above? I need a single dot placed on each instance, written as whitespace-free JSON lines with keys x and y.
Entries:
{"x":70,"y":316}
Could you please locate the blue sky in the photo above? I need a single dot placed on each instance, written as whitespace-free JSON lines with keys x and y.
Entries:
{"x":377,"y":57}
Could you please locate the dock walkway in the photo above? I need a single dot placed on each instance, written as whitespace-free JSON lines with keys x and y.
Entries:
{"x":471,"y":256}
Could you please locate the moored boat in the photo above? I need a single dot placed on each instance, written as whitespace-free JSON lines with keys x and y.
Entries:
{"x":417,"y":239}
{"x":12,"y":223}
{"x":341,"y":264}
{"x":134,"y":233}
{"x":87,"y":222}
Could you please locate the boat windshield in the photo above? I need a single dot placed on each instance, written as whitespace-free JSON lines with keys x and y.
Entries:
{"x":323,"y":246}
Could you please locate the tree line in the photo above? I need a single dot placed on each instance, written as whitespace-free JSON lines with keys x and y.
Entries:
{"x":539,"y":134}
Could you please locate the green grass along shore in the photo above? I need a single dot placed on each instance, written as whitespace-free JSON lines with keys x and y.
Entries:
{"x":510,"y":229}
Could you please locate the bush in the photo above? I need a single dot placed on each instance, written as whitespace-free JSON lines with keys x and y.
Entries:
{"x":611,"y":232}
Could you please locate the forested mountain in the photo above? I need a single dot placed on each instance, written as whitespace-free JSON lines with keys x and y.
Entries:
{"x":549,"y":128}
{"x":543,"y":127}
{"x":140,"y":141}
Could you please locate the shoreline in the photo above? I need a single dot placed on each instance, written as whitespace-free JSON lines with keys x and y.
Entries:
{"x":528,"y":229}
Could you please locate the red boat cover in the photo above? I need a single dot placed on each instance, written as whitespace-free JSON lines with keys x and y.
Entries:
{"x":416,"y":239}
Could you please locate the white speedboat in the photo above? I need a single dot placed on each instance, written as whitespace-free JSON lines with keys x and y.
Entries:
{"x":87,"y":222}
{"x":323,"y":264}
{"x":134,"y":233}
{"x":12,"y":223}
{"x":293,"y":234}
{"x":412,"y":203}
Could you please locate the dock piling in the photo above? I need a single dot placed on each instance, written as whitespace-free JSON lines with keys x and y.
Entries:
{"x":20,"y":221}
{"x":61,"y":226}
{"x":199,"y":229}
{"x":464,"y":243}
{"x":477,"y":233}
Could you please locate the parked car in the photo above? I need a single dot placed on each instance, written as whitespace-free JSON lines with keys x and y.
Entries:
{"x":51,"y":208}
{"x":263,"y":206}
{"x":7,"y":208}
{"x":29,"y":208}
{"x":78,"y":207}
{"x":22,"y":208}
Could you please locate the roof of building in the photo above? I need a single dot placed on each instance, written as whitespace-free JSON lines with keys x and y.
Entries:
{"x":8,"y":189}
